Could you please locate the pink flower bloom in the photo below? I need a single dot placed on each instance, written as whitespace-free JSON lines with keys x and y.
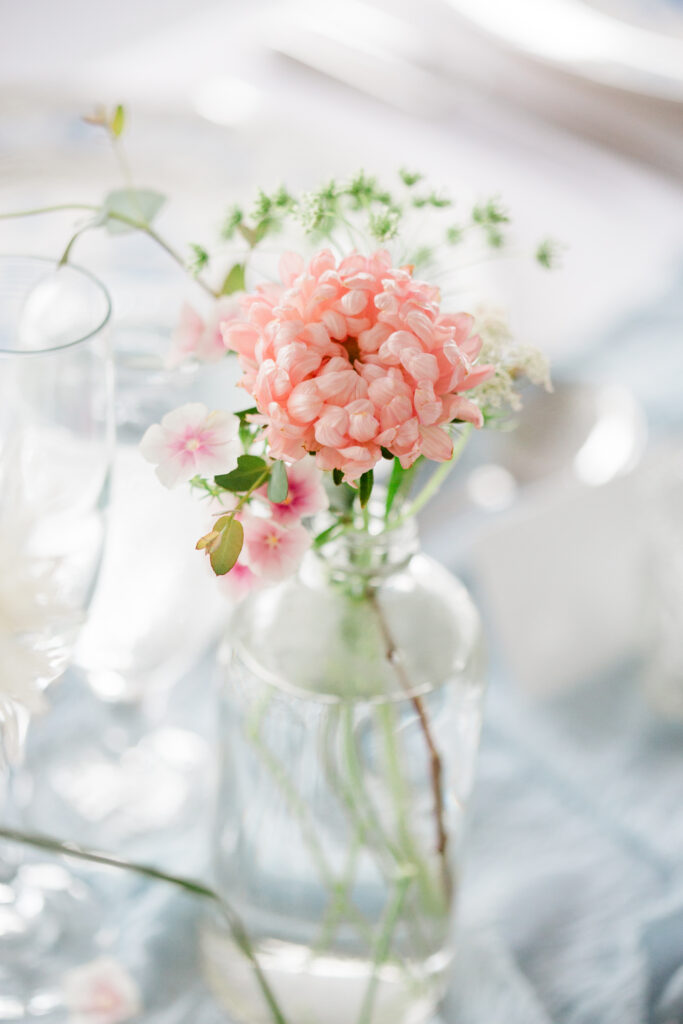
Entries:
{"x":306,"y":495}
{"x":238,"y":582}
{"x":190,"y":441}
{"x":346,"y":358}
{"x":274,"y":551}
{"x":203,"y":340}
{"x":101,"y":992}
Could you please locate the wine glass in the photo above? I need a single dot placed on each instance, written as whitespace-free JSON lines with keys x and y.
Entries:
{"x":128,"y":768}
{"x":56,"y":442}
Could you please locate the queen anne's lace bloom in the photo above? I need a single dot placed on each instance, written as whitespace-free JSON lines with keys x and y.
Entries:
{"x":344,"y":359}
{"x":511,"y":360}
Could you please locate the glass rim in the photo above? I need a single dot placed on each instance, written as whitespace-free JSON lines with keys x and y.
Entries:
{"x":30,"y":258}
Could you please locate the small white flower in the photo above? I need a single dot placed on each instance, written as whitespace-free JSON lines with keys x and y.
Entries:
{"x":192,"y":441}
{"x":101,"y":992}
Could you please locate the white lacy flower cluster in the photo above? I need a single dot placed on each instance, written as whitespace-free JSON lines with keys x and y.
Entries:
{"x":511,"y":359}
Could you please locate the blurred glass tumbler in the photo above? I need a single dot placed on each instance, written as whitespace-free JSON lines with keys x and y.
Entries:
{"x":56,"y":439}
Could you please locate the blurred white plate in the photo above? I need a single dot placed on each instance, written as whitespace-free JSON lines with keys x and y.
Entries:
{"x":635,"y":55}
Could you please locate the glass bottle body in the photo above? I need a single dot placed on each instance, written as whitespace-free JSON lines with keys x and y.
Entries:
{"x":351,"y":715}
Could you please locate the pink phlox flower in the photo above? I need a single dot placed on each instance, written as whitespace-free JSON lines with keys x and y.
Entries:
{"x":306,"y":495}
{"x":191,"y":440}
{"x":202,"y":339}
{"x":101,"y":992}
{"x":344,"y":358}
{"x":239,"y":582}
{"x":273,"y":551}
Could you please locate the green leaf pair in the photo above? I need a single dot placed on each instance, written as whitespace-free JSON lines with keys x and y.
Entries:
{"x":140,"y":205}
{"x":251,"y":471}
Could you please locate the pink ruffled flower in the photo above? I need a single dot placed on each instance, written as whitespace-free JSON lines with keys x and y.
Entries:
{"x":101,"y":992}
{"x":344,"y":359}
{"x":273,"y":551}
{"x":202,"y":339}
{"x":190,"y":441}
{"x":306,"y":495}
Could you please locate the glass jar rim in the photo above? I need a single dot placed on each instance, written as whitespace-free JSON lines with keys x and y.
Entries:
{"x":103,"y":321}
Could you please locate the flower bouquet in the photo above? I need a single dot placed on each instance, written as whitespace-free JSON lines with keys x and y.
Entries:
{"x":351,"y":674}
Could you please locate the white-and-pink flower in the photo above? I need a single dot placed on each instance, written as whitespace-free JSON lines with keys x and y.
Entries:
{"x":101,"y":992}
{"x":192,"y":441}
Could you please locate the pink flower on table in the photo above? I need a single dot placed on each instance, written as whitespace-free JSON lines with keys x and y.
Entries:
{"x":101,"y":992}
{"x":306,"y":495}
{"x":274,"y":551}
{"x":346,"y":358}
{"x":199,"y":338}
{"x":190,"y":441}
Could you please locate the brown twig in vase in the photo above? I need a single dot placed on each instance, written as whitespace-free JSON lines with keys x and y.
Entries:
{"x":436,"y":767}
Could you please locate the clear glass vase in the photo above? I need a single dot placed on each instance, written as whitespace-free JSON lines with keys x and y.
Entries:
{"x":352,"y":701}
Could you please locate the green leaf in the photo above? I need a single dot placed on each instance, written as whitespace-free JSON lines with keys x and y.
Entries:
{"x":243,"y":413}
{"x":249,"y":469}
{"x":254,"y":235}
{"x":231,"y":223}
{"x":395,"y":481}
{"x":386,"y":454}
{"x":365,"y":487}
{"x":337,"y":476}
{"x":548,"y":253}
{"x":199,"y":259}
{"x":328,"y":534}
{"x":224,"y":556}
{"x":234,"y":280}
{"x":410,"y":178}
{"x":118,"y":122}
{"x":138,"y":204}
{"x":278,"y":486}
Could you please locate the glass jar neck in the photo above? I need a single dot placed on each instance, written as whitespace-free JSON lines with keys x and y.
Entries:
{"x":366,"y":556}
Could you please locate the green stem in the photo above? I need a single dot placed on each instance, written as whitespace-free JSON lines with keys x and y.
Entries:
{"x":357,"y":794}
{"x":383,"y":945}
{"x":403,"y":855}
{"x":239,"y":932}
{"x":64,"y":259}
{"x":137,"y":225}
{"x":400,"y":797}
{"x":301,"y":812}
{"x":435,"y":481}
{"x":340,"y":900}
{"x":36,"y":211}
